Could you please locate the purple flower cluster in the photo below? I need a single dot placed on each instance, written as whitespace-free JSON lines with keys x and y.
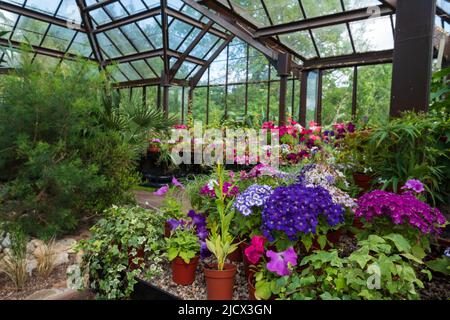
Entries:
{"x":255,"y":196}
{"x":197,"y":221}
{"x":296,"y":209}
{"x":401,"y":209}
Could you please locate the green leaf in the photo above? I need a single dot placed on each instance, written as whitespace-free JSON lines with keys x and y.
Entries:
{"x":262,"y":290}
{"x":172,"y":253}
{"x":400,"y":242}
{"x":418,"y":252}
{"x":441,"y":265}
{"x":412,"y":257}
{"x":322,"y":240}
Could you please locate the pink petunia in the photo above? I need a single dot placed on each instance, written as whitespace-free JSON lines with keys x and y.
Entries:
{"x":280,"y":262}
{"x":177,"y":183}
{"x":161,"y":191}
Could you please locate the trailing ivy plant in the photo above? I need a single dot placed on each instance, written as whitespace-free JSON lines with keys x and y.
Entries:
{"x":124,"y":243}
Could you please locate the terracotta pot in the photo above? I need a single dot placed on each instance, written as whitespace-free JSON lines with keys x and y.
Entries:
{"x":167,"y":230}
{"x":220,"y":283}
{"x":363,"y":181}
{"x":251,"y":288}
{"x":184,"y":273}
{"x":236,"y":255}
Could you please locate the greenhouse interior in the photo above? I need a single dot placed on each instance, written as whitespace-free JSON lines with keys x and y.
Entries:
{"x":224,"y":150}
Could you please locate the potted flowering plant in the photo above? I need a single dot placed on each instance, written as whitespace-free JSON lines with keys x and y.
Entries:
{"x":220,"y":276}
{"x":300,"y":212}
{"x":186,"y":242}
{"x":386,"y":212}
{"x":182,"y":250}
{"x":280,"y":265}
{"x":247,"y":221}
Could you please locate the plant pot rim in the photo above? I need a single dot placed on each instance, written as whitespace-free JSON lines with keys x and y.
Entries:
{"x":211,"y":271}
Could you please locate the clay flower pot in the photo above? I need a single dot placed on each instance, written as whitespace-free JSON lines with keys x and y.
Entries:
{"x":251,"y":288}
{"x":184,"y":273}
{"x":220,"y":283}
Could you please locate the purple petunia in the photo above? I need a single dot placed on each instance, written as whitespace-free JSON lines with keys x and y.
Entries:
{"x":401,"y":209}
{"x":414,"y":185}
{"x":296,"y":209}
{"x":281,"y":261}
{"x":255,"y":196}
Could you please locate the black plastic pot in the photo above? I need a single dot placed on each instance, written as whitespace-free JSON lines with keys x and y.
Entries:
{"x":144,"y":290}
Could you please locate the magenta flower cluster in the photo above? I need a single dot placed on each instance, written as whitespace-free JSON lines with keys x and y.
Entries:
{"x":296,"y":209}
{"x":401,"y":209}
{"x":228,"y":189}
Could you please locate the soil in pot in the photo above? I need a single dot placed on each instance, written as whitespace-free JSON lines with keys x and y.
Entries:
{"x":184,"y":273}
{"x":220,"y":283}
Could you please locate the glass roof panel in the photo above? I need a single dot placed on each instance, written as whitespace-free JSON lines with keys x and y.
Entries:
{"x":115,"y":72}
{"x":69,"y":10}
{"x":143,"y":68}
{"x":284,"y":11}
{"x":137,"y":38}
{"x":7,"y":21}
{"x":214,"y":49}
{"x":301,"y":42}
{"x":185,"y":70}
{"x":157,"y":64}
{"x":372,"y":34}
{"x":120,"y":41}
{"x":189,"y":39}
{"x":193,"y":13}
{"x":152,"y":30}
{"x":81,"y":45}
{"x":314,"y":8}
{"x":11,"y":57}
{"x":252,"y":10}
{"x":29,"y":30}
{"x":152,"y":3}
{"x":358,"y":4}
{"x":444,"y":5}
{"x":178,"y":30}
{"x":107,"y":47}
{"x":204,"y":45}
{"x":48,"y":62}
{"x":58,"y":38}
{"x":129,"y":71}
{"x":333,"y":40}
{"x":175,"y":4}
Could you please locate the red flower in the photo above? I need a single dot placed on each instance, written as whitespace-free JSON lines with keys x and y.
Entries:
{"x":255,"y":251}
